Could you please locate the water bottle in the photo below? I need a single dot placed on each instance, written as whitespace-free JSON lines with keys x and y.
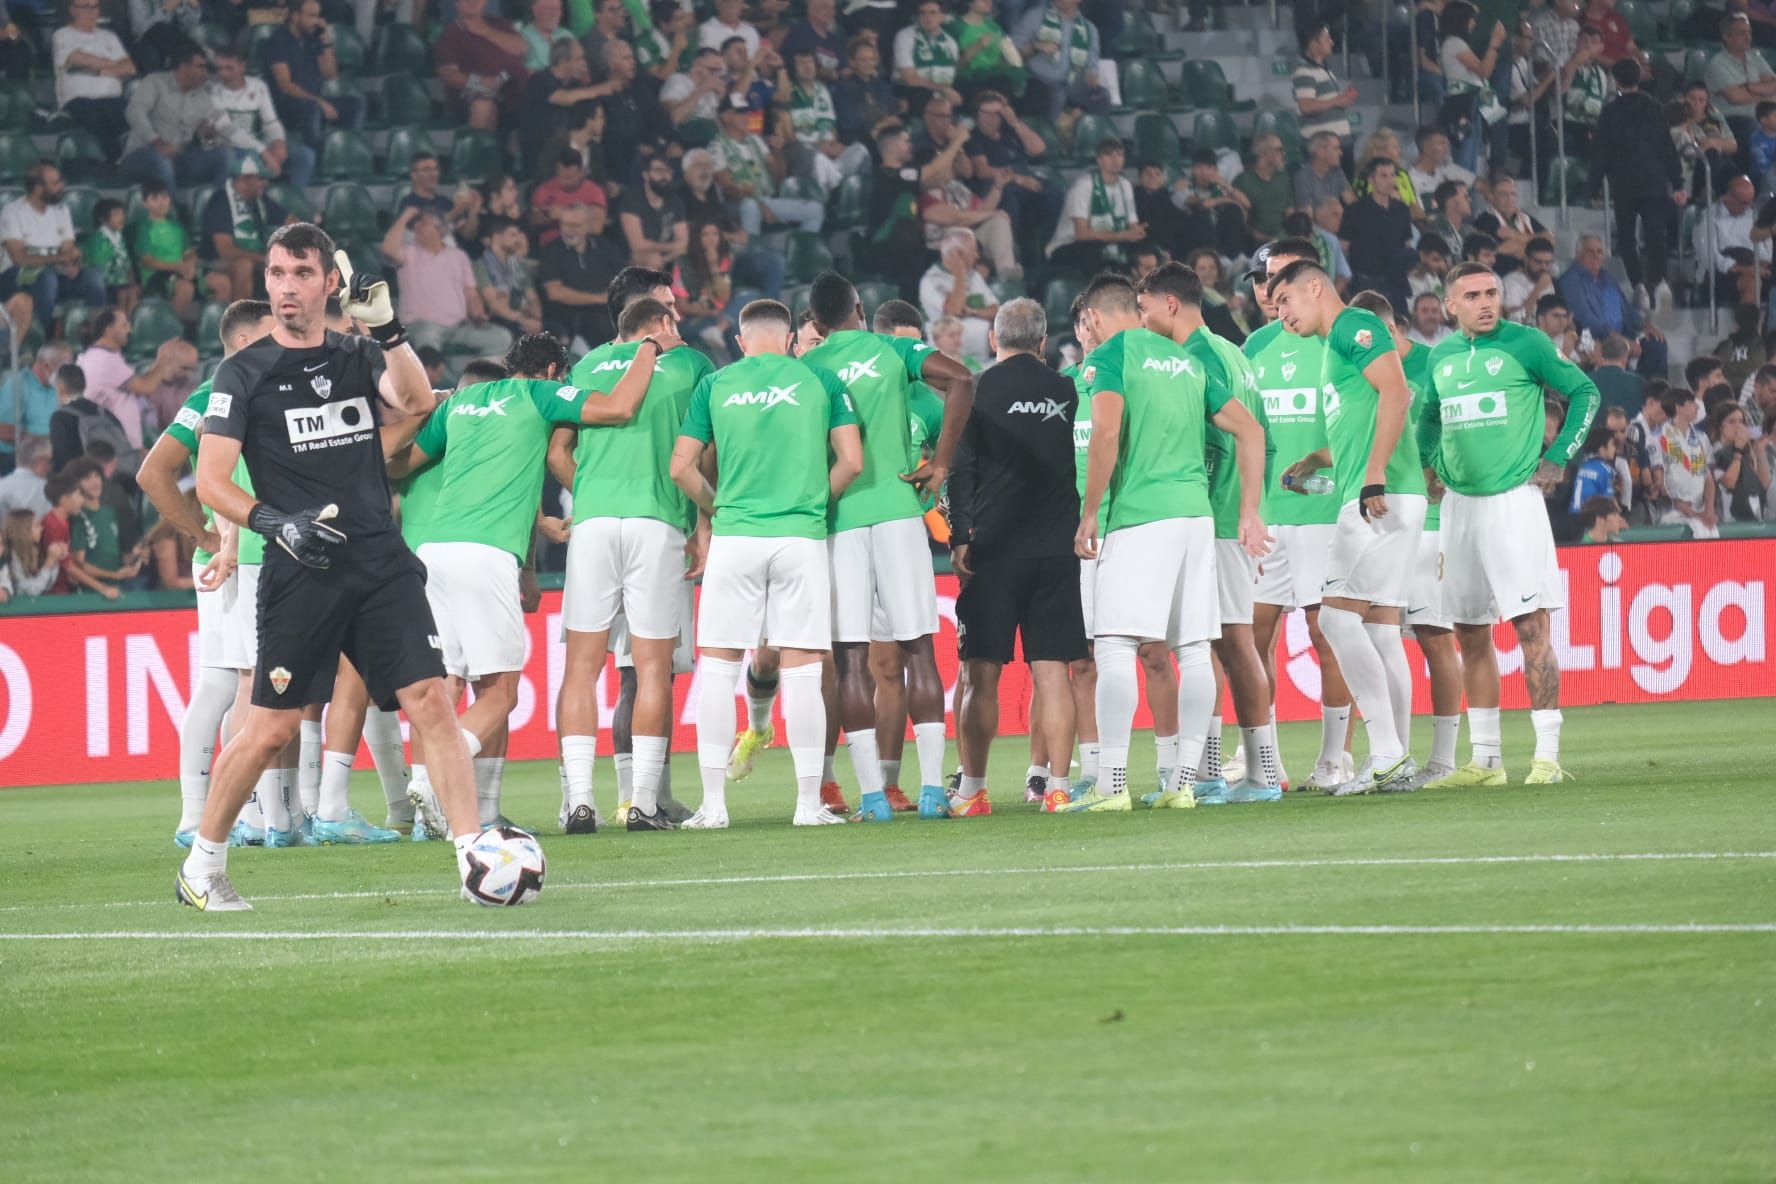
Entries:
{"x":1318,"y":483}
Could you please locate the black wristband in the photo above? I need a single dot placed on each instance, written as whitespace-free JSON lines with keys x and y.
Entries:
{"x":390,"y":335}
{"x":1370,"y":491}
{"x":262,"y":519}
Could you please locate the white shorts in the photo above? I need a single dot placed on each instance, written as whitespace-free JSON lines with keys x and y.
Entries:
{"x":631,"y":566}
{"x":240,"y":641}
{"x":1236,"y":576}
{"x":1088,"y":582}
{"x":213,"y":621}
{"x":684,"y":653}
{"x":473,"y":591}
{"x":1424,"y":594}
{"x":1292,"y":575}
{"x":780,"y":588}
{"x":1157,"y":582}
{"x":1373,"y":561}
{"x":882,"y":585}
{"x":1498,"y":556}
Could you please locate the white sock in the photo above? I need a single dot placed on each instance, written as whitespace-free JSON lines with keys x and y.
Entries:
{"x":1334,"y":723}
{"x":804,"y":717}
{"x":864,"y":762}
{"x":624,"y":762}
{"x":382,"y":732}
{"x":308,"y":764}
{"x":420,"y":776}
{"x":1483,"y":736}
{"x":972,"y":785}
{"x":1444,"y":730}
{"x":270,"y":792}
{"x":206,"y":858}
{"x":1210,"y":768}
{"x":650,"y":761}
{"x":715,"y":727}
{"x":473,"y":742}
{"x":1261,"y":756}
{"x":759,"y":697}
{"x":1088,"y":760}
{"x":1166,"y":754}
{"x":890,"y":773}
{"x":252,"y":814}
{"x":579,"y":755}
{"x":1388,"y":643}
{"x":334,"y":797}
{"x":1547,"y":729}
{"x":1038,"y":771}
{"x":1118,"y":695}
{"x":1270,"y":738}
{"x":928,"y":738}
{"x":1367,"y":679}
{"x":829,"y":770}
{"x":1196,"y":702}
{"x":210,"y":701}
{"x":489,"y":773}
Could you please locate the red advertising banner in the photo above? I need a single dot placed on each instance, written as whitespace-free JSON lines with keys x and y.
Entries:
{"x":99,"y":696}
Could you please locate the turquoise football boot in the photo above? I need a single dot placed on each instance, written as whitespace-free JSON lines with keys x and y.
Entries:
{"x":352,"y":830}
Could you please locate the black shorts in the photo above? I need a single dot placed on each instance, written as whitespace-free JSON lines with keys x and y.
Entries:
{"x":371,"y":608}
{"x":1009,"y":596}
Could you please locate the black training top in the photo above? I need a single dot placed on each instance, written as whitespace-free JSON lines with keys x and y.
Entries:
{"x":1012,"y":488}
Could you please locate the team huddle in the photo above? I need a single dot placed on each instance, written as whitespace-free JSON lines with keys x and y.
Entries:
{"x":1211,"y":490}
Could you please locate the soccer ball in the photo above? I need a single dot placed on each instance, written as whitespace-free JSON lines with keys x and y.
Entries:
{"x":504,"y":865}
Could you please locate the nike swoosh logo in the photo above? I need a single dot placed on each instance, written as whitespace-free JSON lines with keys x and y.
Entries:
{"x":199,"y":902}
{"x":313,"y":368}
{"x":1420,"y":609}
{"x":1465,"y":385}
{"x":1530,"y":597}
{"x":1289,"y":353}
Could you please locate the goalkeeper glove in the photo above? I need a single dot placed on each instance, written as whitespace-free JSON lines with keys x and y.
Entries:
{"x":305,"y":534}
{"x":366,"y":298}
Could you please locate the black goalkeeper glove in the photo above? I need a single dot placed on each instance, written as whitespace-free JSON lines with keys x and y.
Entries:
{"x":305,"y":534}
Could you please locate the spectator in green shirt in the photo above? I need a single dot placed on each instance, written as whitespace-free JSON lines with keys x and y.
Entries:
{"x":108,"y":253}
{"x":1267,"y":184}
{"x":164,"y":255}
{"x":982,"y":64}
{"x":96,"y":547}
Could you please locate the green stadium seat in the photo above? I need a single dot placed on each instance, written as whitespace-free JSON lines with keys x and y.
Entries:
{"x":1051,"y":138}
{"x":346,"y":156}
{"x":154,"y":323}
{"x":475,"y":155}
{"x":257,"y":38}
{"x":74,"y":314}
{"x":1576,"y":176}
{"x":1213,"y":129}
{"x":79,"y":201}
{"x":698,"y":133}
{"x":849,"y":208}
{"x":1695,"y":64}
{"x":808,"y":256}
{"x":349,"y":213}
{"x":1654,"y":534}
{"x":295,"y":201}
{"x":401,"y":50}
{"x":81,"y":157}
{"x":1057,"y":302}
{"x":344,"y":88}
{"x":1748,"y":530}
{"x":1284,"y":125}
{"x":196,"y":200}
{"x":209,"y":330}
{"x":873,"y":294}
{"x":404,"y":143}
{"x":1143,"y":87}
{"x":1142,"y":38}
{"x":349,"y":50}
{"x":406,"y":102}
{"x":796,"y":297}
{"x":1207,"y":86}
{"x":1157,"y":140}
{"x":1087,"y":133}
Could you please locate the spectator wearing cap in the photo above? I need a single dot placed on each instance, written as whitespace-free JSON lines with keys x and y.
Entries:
{"x":237,"y":225}
{"x":1738,"y":76}
{"x":820,"y":34}
{"x":575,"y":274}
{"x":480,"y":60}
{"x":247,"y":103}
{"x":1645,"y":177}
{"x":1741,"y":352}
{"x":440,"y":303}
{"x":178,"y":135}
{"x":37,"y":234}
{"x":567,"y":188}
{"x":1321,"y":175}
{"x":1098,"y":222}
{"x":748,"y":171}
{"x":300,"y":58}
{"x":1618,"y":385}
{"x":1265,"y":184}
{"x":91,"y":65}
{"x":728,"y":22}
{"x":1600,"y":305}
{"x":30,"y":390}
{"x":954,"y":287}
{"x":1061,"y":50}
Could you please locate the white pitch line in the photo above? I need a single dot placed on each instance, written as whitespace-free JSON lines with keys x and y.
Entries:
{"x":874,"y":934}
{"x":933,"y":873}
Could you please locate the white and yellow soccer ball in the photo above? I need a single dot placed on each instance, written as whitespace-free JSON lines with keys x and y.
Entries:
{"x":503,"y":866}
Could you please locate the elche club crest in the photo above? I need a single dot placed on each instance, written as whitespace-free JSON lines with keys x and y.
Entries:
{"x":1365,"y":339}
{"x":323,"y":386}
{"x":1494,"y":365}
{"x":1288,"y":371}
{"x":279,"y":678}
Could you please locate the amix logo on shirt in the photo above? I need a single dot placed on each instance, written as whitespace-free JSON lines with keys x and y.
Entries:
{"x":326,"y":427}
{"x":611,"y":364}
{"x":1172,"y":366}
{"x":765,"y":398}
{"x":1046,"y":408}
{"x":494,"y":407}
{"x":866,"y":368}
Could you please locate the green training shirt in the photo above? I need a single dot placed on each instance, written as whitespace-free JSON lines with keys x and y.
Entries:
{"x":768,"y":417}
{"x":419,"y":491}
{"x":1224,"y":366}
{"x":1160,"y":472}
{"x":187,"y":422}
{"x":1417,"y":366}
{"x":878,"y":372}
{"x":924,"y":424}
{"x":1349,"y":404}
{"x":1484,"y":429}
{"x":626,"y":471}
{"x":494,"y":441}
{"x":1082,"y":439}
{"x":1286,"y":367}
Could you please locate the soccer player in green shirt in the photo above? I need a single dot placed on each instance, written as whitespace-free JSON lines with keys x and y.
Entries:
{"x":219,"y":678}
{"x":493,"y":441}
{"x":883,"y":586}
{"x":1171,"y":305}
{"x":1381,"y":494}
{"x":632,"y":534}
{"x":1485,"y":430}
{"x":1156,"y":569}
{"x":1294,"y":572}
{"x":774,"y":421}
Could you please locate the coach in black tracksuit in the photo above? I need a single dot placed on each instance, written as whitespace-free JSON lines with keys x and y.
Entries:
{"x":1014,"y":508}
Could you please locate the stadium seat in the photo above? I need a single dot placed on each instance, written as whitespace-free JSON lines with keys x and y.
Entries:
{"x":475,"y":155}
{"x":1141,"y":38}
{"x":196,"y":199}
{"x":1213,"y":129}
{"x":1086,"y":133}
{"x":1695,"y":65}
{"x":348,"y":50}
{"x":1207,"y":86}
{"x":209,"y":330}
{"x":873,"y":294}
{"x":796,"y":297}
{"x":348,"y":213}
{"x":850,"y":203}
{"x":1654,"y":534}
{"x":1748,"y":530}
{"x":295,"y":201}
{"x":348,"y":88}
{"x":257,"y":37}
{"x":1057,"y":302}
{"x":1157,"y":140}
{"x":74,"y":315}
{"x":17,"y":154}
{"x":80,"y":156}
{"x":404,"y":143}
{"x":155,"y":322}
{"x":346,"y":156}
{"x":1051,"y":138}
{"x":1576,"y":175}
{"x":697,"y":133}
{"x":401,"y":50}
{"x":79,"y":201}
{"x":406,"y":102}
{"x":808,"y":256}
{"x":1143,"y":87}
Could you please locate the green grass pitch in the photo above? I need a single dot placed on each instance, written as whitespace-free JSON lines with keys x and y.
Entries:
{"x":1480,"y":986}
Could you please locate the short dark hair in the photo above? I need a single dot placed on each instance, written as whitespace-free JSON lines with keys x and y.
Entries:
{"x":1698,"y":368}
{"x":1298,"y":223}
{"x":1300,"y":269}
{"x":1110,"y":292}
{"x":421,"y":157}
{"x":1463,"y":270}
{"x":897,"y":314}
{"x":82,"y":467}
{"x":1595,"y":509}
{"x":1764,"y":374}
{"x":241,"y":312}
{"x":1110,"y":144}
{"x":571,"y":158}
{"x":299,"y":238}
{"x":1674,"y":398}
{"x":1369,"y":300}
{"x":101,"y":451}
{"x":1538,"y":245}
{"x":1174,"y":280}
{"x":773,"y":312}
{"x":832,"y":299}
{"x":481,"y":370}
{"x":532,"y":355}
{"x":430,"y":356}
{"x":100,"y":323}
{"x":639,"y":311}
{"x":1375,"y":162}
{"x":60,"y":486}
{"x":1295,"y":247}
{"x":1205,"y":156}
{"x":631,"y":282}
{"x":1597,"y":437}
{"x":105,"y":207}
{"x":1552,"y":302}
{"x":1477,"y":242}
{"x":1626,"y":72}
{"x":1433,"y":244}
{"x":1311,"y":33}
{"x":1448,"y":189}
{"x":71,"y":377}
